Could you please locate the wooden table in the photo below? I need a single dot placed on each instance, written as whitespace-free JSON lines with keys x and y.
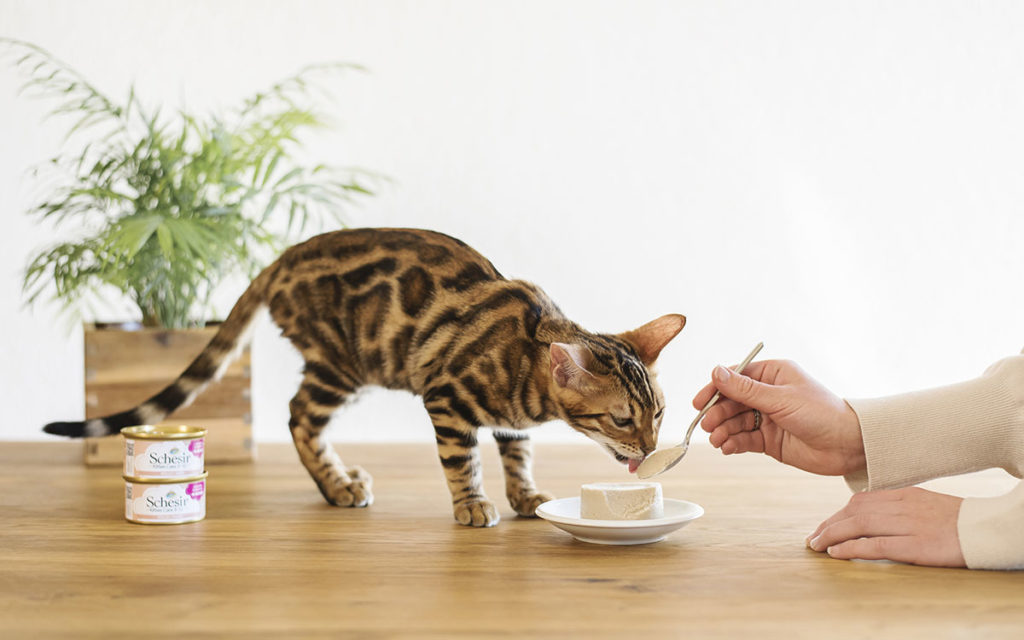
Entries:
{"x":273,"y":560}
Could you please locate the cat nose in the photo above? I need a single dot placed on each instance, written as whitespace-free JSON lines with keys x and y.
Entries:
{"x":648,"y":445}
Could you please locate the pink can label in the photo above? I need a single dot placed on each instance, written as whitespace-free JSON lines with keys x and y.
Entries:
{"x":196,"y":447}
{"x":196,"y":490}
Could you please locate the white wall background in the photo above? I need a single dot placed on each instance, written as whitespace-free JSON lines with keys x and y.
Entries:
{"x":841,"y":180}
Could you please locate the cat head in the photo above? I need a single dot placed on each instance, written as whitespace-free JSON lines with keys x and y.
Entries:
{"x":608,"y":390}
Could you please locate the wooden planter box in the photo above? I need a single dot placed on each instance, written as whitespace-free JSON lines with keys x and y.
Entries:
{"x":125,"y":367}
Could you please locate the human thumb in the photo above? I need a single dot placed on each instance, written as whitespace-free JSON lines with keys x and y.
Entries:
{"x":740,"y":388}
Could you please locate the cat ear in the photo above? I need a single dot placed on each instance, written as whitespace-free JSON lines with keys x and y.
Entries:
{"x":651,"y":338}
{"x":569,"y":366}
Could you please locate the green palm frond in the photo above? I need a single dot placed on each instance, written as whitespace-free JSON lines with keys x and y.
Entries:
{"x":168,"y":206}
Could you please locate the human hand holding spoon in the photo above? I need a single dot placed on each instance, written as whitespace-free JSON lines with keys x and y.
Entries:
{"x":664,"y":459}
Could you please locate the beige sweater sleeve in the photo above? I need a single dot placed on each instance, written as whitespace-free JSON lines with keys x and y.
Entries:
{"x":973,"y":425}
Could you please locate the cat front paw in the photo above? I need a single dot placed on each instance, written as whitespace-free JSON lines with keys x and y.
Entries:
{"x":525,"y":504}
{"x":351,"y":489}
{"x":477,"y":513}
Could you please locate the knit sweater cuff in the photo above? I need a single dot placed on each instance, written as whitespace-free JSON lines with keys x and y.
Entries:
{"x":990,"y":531}
{"x":914,"y":437}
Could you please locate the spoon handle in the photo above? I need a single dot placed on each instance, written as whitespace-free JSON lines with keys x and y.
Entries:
{"x":738,"y":369}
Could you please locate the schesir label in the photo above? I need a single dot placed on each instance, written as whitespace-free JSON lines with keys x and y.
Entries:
{"x":163,"y":458}
{"x":163,"y":451}
{"x":165,"y":502}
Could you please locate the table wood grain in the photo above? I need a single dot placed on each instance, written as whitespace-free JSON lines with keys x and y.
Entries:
{"x":273,"y":560}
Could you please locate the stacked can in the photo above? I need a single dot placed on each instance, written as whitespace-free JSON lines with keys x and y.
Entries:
{"x":164,"y":474}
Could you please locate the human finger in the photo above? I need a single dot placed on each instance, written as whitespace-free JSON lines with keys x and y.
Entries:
{"x":868,"y":524}
{"x":745,"y":421}
{"x":723,"y":410}
{"x":754,"y":370}
{"x":859,"y":503}
{"x":718,"y":437}
{"x":897,"y":548}
{"x":747,"y":390}
{"x":745,"y":442}
{"x":704,"y":395}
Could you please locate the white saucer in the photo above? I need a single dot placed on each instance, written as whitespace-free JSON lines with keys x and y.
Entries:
{"x":565,"y":514}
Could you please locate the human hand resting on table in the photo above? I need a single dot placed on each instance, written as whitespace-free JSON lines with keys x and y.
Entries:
{"x":911,"y":525}
{"x":805,"y":425}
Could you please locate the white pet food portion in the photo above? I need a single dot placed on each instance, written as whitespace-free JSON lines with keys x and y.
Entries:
{"x":621,"y":501}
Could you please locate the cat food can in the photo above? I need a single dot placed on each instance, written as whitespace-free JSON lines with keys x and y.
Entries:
{"x":165,"y":501}
{"x":163,"y":451}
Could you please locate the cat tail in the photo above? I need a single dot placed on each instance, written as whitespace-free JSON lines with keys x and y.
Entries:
{"x":222,"y":350}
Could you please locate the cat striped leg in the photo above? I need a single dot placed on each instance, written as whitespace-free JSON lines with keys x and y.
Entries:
{"x":460,"y":458}
{"x":311,"y":410}
{"x":517,"y":457}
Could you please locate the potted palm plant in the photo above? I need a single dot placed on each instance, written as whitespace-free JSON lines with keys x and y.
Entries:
{"x":157,"y":209}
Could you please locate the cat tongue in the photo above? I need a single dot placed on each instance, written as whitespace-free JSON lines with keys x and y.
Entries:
{"x":633,"y":464}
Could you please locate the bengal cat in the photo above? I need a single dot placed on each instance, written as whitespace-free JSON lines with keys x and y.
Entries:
{"x":421,"y":311}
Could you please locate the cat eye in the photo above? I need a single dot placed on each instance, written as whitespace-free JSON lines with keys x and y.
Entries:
{"x":622,"y":422}
{"x":660,"y":411}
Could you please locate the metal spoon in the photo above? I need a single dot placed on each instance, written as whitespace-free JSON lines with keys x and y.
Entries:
{"x":664,"y":459}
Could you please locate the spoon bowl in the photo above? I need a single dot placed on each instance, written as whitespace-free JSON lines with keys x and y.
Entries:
{"x":661,"y":461}
{"x":664,"y":459}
